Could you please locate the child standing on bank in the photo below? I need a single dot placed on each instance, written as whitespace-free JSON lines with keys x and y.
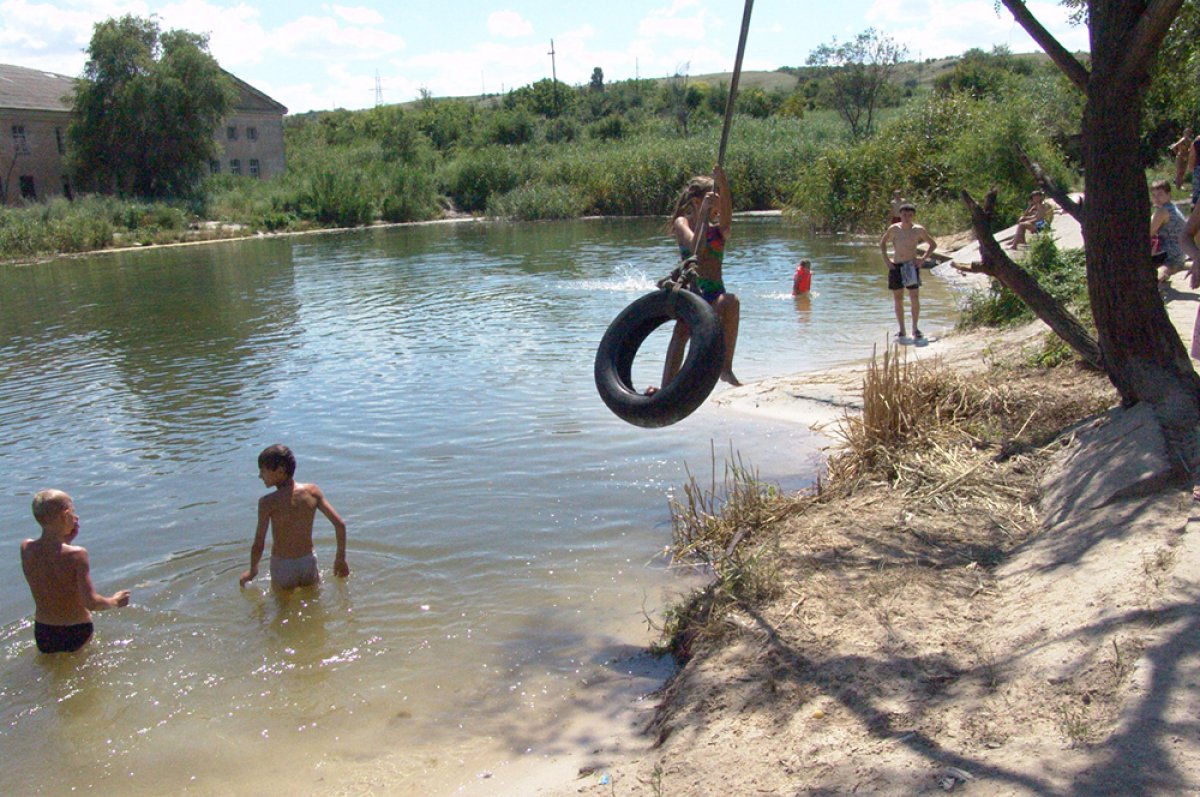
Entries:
{"x":60,"y":579}
{"x":289,"y":513}
{"x":701,"y":222}
{"x":904,"y":270}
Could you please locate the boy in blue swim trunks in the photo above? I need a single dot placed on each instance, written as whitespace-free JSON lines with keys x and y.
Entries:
{"x":288,"y":513}
{"x":1035,"y":218}
{"x":60,"y":579}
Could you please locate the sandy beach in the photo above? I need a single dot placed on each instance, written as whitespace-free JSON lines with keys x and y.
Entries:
{"x":1035,"y":637}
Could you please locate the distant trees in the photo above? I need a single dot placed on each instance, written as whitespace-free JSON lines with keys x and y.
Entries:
{"x":982,"y":74}
{"x":146,"y":110}
{"x":857,"y":77}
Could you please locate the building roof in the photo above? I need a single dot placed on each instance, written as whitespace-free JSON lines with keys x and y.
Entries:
{"x":34,"y":89}
{"x":38,"y":90}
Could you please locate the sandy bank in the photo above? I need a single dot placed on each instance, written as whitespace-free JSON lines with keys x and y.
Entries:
{"x":1028,"y":627}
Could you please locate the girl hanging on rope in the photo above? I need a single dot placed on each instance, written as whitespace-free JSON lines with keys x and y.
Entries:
{"x":701,"y":223}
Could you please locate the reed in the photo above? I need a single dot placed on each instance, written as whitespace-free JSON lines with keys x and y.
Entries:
{"x":729,"y":529}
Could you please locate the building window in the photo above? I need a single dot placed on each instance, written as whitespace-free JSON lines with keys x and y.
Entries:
{"x":231,"y":133}
{"x":235,"y":166}
{"x":214,"y":167}
{"x":27,"y":191}
{"x":252,"y":134}
{"x":254,"y":167}
{"x":58,"y":139}
{"x":20,"y":142}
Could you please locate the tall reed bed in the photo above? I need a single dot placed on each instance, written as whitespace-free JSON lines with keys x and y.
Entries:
{"x":86,"y":224}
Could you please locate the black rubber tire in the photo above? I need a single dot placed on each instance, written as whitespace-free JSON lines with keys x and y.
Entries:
{"x":696,"y":378}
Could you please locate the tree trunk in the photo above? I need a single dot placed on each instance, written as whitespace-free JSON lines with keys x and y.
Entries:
{"x":1142,"y":352}
{"x":999,"y":265}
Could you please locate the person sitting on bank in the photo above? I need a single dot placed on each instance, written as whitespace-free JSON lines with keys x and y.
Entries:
{"x":1035,"y":218}
{"x":1166,"y":228}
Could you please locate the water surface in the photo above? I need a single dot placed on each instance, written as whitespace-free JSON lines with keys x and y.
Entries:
{"x":436,"y":381}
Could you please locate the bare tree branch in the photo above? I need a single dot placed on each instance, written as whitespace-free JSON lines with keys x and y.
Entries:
{"x":1068,"y":63}
{"x":998,"y":264}
{"x":1147,"y":35}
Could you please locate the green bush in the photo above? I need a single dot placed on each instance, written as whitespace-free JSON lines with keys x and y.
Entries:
{"x":508,"y":128}
{"x":931,"y":152}
{"x":335,"y":198}
{"x":537,"y":202}
{"x":1062,"y":274}
{"x":475,"y":176}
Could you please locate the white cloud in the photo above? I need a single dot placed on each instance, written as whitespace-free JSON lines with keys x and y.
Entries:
{"x":358,"y":15}
{"x":235,"y":37}
{"x":950,"y":27}
{"x":508,"y":25}
{"x":323,"y":39}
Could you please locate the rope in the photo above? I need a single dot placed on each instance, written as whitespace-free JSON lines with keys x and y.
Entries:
{"x":684,"y":276}
{"x":733,"y":83}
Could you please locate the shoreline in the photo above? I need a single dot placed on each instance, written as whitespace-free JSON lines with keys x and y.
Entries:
{"x":819,"y":399}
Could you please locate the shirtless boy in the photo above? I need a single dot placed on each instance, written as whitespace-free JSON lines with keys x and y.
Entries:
{"x":289,"y":513}
{"x":905,"y":236}
{"x":59,"y":578}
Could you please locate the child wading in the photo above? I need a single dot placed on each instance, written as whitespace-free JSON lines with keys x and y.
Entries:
{"x":289,"y":513}
{"x":60,"y":578}
{"x":701,"y":223}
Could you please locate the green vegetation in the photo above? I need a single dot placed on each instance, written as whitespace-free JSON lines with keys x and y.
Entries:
{"x":827,"y":143}
{"x":1060,"y":273}
{"x":145,"y":111}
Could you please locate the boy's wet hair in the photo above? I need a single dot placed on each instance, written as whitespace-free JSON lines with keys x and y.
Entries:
{"x":48,"y":503}
{"x":278,"y":456}
{"x":1161,"y":185}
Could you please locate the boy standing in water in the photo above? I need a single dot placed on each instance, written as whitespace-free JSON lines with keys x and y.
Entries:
{"x":905,"y":270}
{"x":60,"y":579}
{"x":289,"y":513}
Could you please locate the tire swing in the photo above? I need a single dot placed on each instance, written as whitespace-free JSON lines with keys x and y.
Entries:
{"x":697,"y":377}
{"x":677,"y":299}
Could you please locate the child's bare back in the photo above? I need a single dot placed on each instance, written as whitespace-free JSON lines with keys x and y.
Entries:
{"x":289,"y":513}
{"x":290,"y":510}
{"x":59,"y":577}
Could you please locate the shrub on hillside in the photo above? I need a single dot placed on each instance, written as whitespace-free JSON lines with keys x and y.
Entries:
{"x":930,"y":152}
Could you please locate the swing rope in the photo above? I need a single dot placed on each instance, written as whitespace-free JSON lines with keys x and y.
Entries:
{"x":684,"y":276}
{"x":733,"y":83}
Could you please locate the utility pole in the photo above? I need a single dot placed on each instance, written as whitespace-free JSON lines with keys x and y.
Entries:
{"x":378,"y":90}
{"x":554,"y":76}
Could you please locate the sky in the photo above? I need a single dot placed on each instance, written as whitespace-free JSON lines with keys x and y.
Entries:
{"x":320,"y":56}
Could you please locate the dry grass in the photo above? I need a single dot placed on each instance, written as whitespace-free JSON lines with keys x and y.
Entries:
{"x":938,"y":471}
{"x":730,"y":529}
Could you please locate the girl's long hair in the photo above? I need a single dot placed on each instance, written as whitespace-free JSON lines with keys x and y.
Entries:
{"x":696,"y":188}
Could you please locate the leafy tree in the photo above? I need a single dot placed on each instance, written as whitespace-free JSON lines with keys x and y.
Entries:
{"x":146,"y":109}
{"x":1139,"y":347}
{"x":446,"y":122}
{"x":597,"y":81}
{"x":546,"y":98}
{"x":981,"y":74}
{"x":857,"y":76}
{"x":1173,"y":99}
{"x":679,"y":99}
